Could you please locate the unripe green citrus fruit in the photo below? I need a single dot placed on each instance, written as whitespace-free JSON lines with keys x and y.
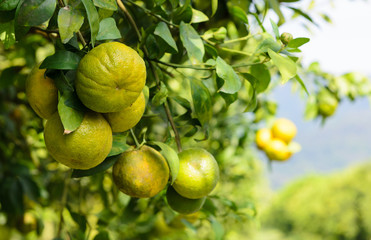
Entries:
{"x":41,"y":92}
{"x":110,"y":77}
{"x":181,"y":204}
{"x":284,"y":129}
{"x":327,"y":103}
{"x":84,"y":148}
{"x":127,"y":117}
{"x":198,"y":173}
{"x":141,"y":173}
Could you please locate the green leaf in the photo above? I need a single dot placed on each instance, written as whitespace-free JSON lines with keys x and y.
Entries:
{"x":275,"y":5}
{"x":7,"y":5}
{"x":161,"y":96}
{"x":162,"y":30}
{"x":232,"y":82}
{"x":171,"y":157}
{"x":71,"y":118}
{"x":268,"y":43}
{"x":8,"y":76}
{"x":108,"y":30}
{"x":7,"y":34}
{"x":61,"y":59}
{"x":285,"y":65}
{"x":30,"y":187}
{"x":69,"y":22}
{"x":250,"y":86}
{"x":211,"y":50}
{"x":107,"y":163}
{"x":192,"y":42}
{"x":301,"y":83}
{"x":297,"y":42}
{"x":214,"y":7}
{"x":263,"y":76}
{"x":102,"y":235}
{"x":300,"y":12}
{"x":238,"y":13}
{"x":35,"y":12}
{"x":93,"y":19}
{"x":217,"y":228}
{"x":80,"y":220}
{"x":106,"y":4}
{"x":183,"y":13}
{"x":198,"y":16}
{"x":202,"y":103}
{"x":118,"y":144}
{"x":275,"y":29}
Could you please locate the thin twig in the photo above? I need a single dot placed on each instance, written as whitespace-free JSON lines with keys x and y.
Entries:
{"x":153,"y":69}
{"x":63,"y":202}
{"x":153,"y":14}
{"x":174,"y":65}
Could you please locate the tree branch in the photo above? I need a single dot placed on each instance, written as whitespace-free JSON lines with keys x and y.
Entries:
{"x":153,"y":69}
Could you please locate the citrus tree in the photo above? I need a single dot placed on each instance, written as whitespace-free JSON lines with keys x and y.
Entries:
{"x":99,"y":99}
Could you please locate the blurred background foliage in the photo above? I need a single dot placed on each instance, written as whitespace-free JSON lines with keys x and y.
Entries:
{"x":39,"y":200}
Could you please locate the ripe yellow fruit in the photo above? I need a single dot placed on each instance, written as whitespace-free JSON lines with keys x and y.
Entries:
{"x":198,"y":173}
{"x":41,"y":92}
{"x":181,"y":204}
{"x":84,"y":148}
{"x":284,"y":129}
{"x":277,"y":150}
{"x":141,"y":173}
{"x":263,"y":137}
{"x":110,"y":77}
{"x":127,"y":117}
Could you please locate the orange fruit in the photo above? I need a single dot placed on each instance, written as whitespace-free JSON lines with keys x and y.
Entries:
{"x":141,"y":173}
{"x":41,"y":92}
{"x":110,"y":77}
{"x":84,"y":148}
{"x":327,"y":103}
{"x":277,"y":150}
{"x":263,"y":137}
{"x":198,"y":173}
{"x":127,"y":117}
{"x":181,"y":204}
{"x":284,"y":129}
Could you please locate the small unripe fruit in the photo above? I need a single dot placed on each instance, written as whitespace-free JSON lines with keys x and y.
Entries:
{"x":286,"y":38}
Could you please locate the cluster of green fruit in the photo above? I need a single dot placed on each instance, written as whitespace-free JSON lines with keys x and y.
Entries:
{"x":109,"y":82}
{"x":276,"y":141}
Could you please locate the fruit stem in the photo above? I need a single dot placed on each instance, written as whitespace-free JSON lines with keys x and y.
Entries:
{"x":135,"y":138}
{"x":153,"y":69}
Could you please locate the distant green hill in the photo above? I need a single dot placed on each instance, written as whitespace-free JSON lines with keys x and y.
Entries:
{"x":333,"y":207}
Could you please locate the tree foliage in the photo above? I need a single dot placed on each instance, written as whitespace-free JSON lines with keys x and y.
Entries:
{"x":211,"y":66}
{"x":332,"y":207}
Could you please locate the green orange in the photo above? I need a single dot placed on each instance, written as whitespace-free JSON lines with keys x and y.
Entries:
{"x":141,"y":173}
{"x":41,"y":92}
{"x":198,"y":173}
{"x":110,"y":77}
{"x":127,"y":117}
{"x":84,"y":148}
{"x":181,"y":204}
